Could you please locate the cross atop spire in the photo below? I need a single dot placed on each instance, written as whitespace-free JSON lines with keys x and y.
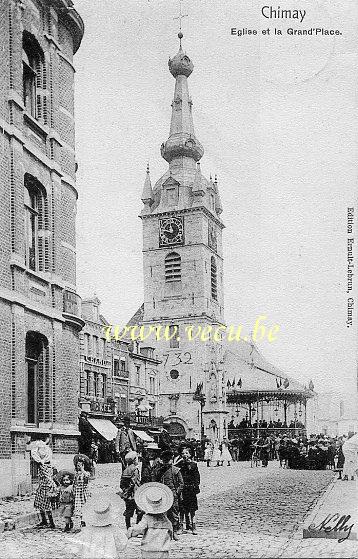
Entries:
{"x":180,"y":17}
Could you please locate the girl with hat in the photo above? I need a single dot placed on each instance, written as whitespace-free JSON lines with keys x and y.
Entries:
{"x":155,"y":499}
{"x":42,"y":455}
{"x":100,"y":539}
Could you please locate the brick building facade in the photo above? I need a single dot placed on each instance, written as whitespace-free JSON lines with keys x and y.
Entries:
{"x":40,"y":315}
{"x":118,"y":376}
{"x":104,"y":379}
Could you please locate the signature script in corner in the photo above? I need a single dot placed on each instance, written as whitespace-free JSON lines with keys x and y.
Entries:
{"x":335,"y":523}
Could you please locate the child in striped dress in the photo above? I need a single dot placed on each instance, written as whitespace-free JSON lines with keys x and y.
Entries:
{"x":80,"y":492}
{"x":42,"y":455}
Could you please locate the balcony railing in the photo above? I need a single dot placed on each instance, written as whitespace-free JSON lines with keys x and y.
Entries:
{"x":72,"y":308}
{"x":141,"y":419}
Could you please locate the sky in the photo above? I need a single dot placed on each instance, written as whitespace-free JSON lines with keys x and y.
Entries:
{"x":277,"y":116}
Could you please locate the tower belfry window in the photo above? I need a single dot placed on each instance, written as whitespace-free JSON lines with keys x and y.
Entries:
{"x":214,"y":279}
{"x":172,"y":267}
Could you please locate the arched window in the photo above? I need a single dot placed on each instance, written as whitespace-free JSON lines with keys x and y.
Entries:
{"x":38,"y":378}
{"x":214,"y":282}
{"x":34,"y":77}
{"x":172,"y":267}
{"x":36,"y":225}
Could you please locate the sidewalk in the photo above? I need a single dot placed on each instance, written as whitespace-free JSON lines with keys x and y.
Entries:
{"x":327,"y":532}
{"x":335,"y":515}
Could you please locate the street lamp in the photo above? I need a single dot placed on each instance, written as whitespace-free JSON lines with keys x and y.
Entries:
{"x":200,"y":397}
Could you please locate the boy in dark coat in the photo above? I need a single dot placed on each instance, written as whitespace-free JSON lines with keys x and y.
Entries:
{"x":170,"y":475}
{"x":191,"y":479}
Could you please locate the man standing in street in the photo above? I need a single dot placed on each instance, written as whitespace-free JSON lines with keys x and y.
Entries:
{"x":125,"y":440}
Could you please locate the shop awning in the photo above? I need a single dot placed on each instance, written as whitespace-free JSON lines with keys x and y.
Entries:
{"x":104,"y":427}
{"x":144,"y":436}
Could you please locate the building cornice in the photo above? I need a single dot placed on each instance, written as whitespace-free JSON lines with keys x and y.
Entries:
{"x":144,"y":358}
{"x":183,"y":211}
{"x":71,"y":19}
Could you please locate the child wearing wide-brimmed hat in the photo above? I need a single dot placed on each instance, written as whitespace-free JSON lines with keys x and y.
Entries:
{"x":100,"y":539}
{"x":42,"y":454}
{"x":155,"y":499}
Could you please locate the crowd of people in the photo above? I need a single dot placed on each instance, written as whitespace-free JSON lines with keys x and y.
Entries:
{"x":246,"y":423}
{"x":159,"y":483}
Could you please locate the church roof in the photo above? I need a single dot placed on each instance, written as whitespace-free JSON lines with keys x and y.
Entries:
{"x":137,"y":318}
{"x":243,"y":362}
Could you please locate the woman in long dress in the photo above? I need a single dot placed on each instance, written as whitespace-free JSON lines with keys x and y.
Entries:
{"x":216,"y":456}
{"x":225,"y":453}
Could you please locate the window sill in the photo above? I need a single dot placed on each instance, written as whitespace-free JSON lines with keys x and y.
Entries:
{"x":39,"y":129}
{"x":43,"y":276}
{"x":30,"y":428}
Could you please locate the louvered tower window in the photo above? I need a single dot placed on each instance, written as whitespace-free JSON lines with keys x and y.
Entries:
{"x":214,"y":280}
{"x":34,"y":78}
{"x":172,"y":267}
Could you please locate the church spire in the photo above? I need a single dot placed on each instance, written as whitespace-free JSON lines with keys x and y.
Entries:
{"x":147,"y":194}
{"x":182,"y":141}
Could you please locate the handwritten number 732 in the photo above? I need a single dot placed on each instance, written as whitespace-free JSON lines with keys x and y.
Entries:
{"x":180,"y":358}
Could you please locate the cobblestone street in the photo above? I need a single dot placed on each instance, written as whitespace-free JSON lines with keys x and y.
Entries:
{"x":243,"y":512}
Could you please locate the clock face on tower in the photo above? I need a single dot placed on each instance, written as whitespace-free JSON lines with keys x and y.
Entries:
{"x":171,"y":231}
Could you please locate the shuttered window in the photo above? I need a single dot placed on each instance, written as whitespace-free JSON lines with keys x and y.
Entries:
{"x":214,"y":281}
{"x":37,"y":233}
{"x":172,"y":267}
{"x":34,"y":78}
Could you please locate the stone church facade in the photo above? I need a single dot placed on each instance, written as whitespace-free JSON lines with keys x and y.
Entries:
{"x":205,"y":382}
{"x":183,"y":272}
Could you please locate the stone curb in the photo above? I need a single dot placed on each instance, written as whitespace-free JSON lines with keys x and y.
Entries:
{"x":320,"y":502}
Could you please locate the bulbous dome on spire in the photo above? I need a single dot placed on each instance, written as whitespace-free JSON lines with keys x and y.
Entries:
{"x":180,"y":64}
{"x":182,"y":141}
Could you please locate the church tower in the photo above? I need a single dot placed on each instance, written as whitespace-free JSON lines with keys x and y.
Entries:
{"x":183,"y":272}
